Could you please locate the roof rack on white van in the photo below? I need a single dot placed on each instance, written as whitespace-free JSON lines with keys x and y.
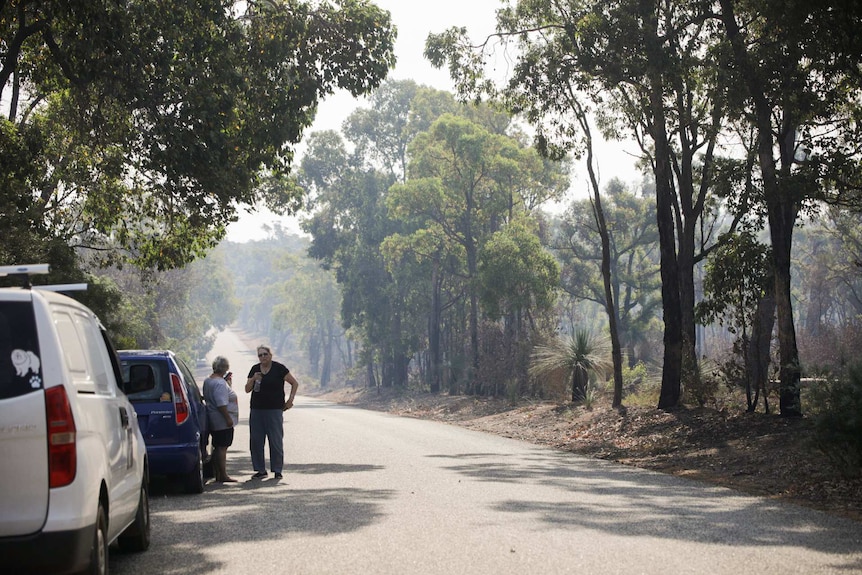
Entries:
{"x":23,"y":272}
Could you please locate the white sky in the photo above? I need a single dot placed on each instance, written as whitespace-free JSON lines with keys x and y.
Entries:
{"x":414,"y":20}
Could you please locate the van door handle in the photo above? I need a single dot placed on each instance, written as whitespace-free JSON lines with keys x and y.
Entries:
{"x":124,"y":417}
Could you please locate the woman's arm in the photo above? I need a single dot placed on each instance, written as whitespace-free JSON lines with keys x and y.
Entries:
{"x":249,"y":384}
{"x":294,"y":385}
{"x":223,"y":410}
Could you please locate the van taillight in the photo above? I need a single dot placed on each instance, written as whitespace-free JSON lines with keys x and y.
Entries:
{"x":181,"y":402}
{"x":62,"y":456}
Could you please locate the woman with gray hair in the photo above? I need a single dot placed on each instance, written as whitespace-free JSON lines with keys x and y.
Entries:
{"x":222,"y":415}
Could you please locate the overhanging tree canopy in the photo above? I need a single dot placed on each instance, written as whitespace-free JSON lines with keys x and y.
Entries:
{"x":150,"y":122}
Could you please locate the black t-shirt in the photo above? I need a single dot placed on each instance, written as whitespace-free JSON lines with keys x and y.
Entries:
{"x":271,"y":394}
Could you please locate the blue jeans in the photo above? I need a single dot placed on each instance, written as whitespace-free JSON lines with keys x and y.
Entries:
{"x":266,"y":424}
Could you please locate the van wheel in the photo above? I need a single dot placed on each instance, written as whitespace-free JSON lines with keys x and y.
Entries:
{"x":136,"y":537}
{"x":99,"y":552}
{"x":194,"y":481}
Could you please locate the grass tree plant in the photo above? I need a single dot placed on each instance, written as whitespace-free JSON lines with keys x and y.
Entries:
{"x":578,"y":357}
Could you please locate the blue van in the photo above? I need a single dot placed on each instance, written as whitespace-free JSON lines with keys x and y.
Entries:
{"x":172,"y":417}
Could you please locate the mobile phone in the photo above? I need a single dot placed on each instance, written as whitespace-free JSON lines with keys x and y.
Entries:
{"x":228,"y":375}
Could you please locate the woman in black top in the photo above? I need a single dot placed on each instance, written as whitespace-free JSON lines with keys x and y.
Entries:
{"x":265,"y":422}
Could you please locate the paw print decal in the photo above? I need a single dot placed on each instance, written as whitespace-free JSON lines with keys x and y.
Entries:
{"x":25,"y":361}
{"x":35,"y":382}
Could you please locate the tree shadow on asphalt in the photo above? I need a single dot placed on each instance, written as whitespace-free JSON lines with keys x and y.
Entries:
{"x":632,"y":502}
{"x":249,"y":511}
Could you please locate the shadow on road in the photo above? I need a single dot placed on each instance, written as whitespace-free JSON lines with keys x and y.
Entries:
{"x":249,"y":511}
{"x":632,"y":502}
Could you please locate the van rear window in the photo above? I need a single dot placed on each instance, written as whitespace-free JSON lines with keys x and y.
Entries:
{"x":20,"y":360}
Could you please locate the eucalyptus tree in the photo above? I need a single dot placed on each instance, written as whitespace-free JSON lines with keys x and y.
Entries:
{"x":844,"y":228}
{"x":633,"y":243}
{"x":828,"y":289}
{"x":465,"y":183}
{"x":518,"y":286}
{"x":350,"y":221}
{"x":738,"y":292}
{"x":141,"y":128}
{"x":518,"y":278}
{"x":797,"y":66}
{"x":308,"y":306}
{"x":347,"y":227}
{"x":382,"y":132}
{"x":640,"y":68}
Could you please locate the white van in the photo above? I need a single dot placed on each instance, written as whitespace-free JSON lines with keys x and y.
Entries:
{"x":73,"y":477}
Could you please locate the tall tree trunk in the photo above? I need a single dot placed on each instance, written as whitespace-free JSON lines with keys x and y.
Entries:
{"x":434,"y":319}
{"x":818,"y":296}
{"x":782,"y":211}
{"x":690,"y":375}
{"x":758,"y":351}
{"x":326,"y":368}
{"x":669,"y":396}
{"x":782,"y":217}
{"x":370,"y":380}
{"x":473,"y":316}
{"x":314,"y":343}
{"x":610,"y":300}
{"x":400,"y":359}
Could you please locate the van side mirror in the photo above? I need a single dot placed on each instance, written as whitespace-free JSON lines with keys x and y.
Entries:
{"x":141,"y":378}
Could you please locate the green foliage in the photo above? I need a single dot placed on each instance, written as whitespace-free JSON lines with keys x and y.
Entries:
{"x":124,"y":318}
{"x":347,"y":229}
{"x":309,"y":308}
{"x":146,"y":127}
{"x":704,"y":388}
{"x":641,"y":387}
{"x":836,"y":408}
{"x":179,"y":309}
{"x":735,"y":279}
{"x":382,"y":132}
{"x":516,"y":273}
{"x":635,"y":376}
{"x":633,"y":245}
{"x":591,"y":396}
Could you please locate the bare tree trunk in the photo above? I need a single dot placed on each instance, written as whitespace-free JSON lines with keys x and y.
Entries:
{"x":610,"y":301}
{"x":782,"y":217}
{"x":326,"y":369}
{"x":671,"y":305}
{"x":758,"y":350}
{"x":435,"y":375}
{"x":370,"y":380}
{"x":782,"y":209}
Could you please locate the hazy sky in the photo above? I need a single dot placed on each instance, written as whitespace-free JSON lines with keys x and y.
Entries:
{"x":414,"y":20}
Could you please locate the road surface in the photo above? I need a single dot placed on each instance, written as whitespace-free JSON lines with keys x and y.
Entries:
{"x":370,"y":493}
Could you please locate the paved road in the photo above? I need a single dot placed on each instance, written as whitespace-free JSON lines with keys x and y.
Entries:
{"x":370,"y":493}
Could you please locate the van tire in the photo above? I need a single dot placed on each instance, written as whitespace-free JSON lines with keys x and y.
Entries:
{"x":136,"y":537}
{"x":99,"y":552}
{"x":194,"y":481}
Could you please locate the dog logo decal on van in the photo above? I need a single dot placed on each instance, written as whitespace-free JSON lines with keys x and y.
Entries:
{"x":25,"y":361}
